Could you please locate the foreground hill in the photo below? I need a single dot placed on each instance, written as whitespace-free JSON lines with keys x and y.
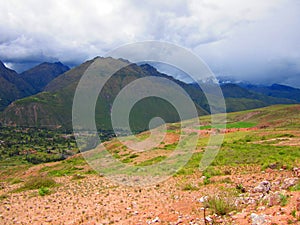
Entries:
{"x":254,"y":179}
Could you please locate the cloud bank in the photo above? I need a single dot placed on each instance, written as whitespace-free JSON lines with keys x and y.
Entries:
{"x":256,"y":40}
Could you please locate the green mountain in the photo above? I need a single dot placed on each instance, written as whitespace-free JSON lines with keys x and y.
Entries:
{"x":15,"y":86}
{"x":238,"y":98}
{"x":53,"y":107}
{"x":12,"y":86}
{"x":40,"y":75}
{"x":276,"y":90}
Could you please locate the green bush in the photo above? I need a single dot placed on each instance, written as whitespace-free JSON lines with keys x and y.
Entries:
{"x":44,"y":191}
{"x":190,"y":187}
{"x":38,"y":182}
{"x":222,"y":203}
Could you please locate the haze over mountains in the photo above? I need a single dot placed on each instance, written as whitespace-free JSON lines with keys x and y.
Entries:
{"x":43,"y":96}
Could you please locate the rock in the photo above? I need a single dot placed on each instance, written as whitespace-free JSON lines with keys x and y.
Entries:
{"x":208,"y":219}
{"x":258,"y":219}
{"x":296,"y":171}
{"x":263,"y":187}
{"x":274,"y":199}
{"x":273,"y":166}
{"x":289,"y":182}
{"x":203,"y":199}
{"x":298,"y":204}
{"x":156,"y":220}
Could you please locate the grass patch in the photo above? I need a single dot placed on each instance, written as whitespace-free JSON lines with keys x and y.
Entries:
{"x":221,"y":203}
{"x":77,"y":177}
{"x":283,"y":199}
{"x":44,"y":191}
{"x":190,"y":187}
{"x":152,"y":161}
{"x":16,"y":180}
{"x":3,"y":196}
{"x":296,"y":187}
{"x":37,"y":182}
{"x":241,"y":124}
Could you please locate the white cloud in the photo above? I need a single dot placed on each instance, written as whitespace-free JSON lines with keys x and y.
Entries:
{"x":222,"y":32}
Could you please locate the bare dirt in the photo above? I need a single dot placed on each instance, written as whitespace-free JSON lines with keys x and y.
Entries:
{"x":97,"y":200}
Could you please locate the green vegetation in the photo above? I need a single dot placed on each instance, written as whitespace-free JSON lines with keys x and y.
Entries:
{"x":296,"y":187}
{"x":230,"y":125}
{"x":283,"y":199}
{"x":43,"y":191}
{"x":37,"y":183}
{"x":152,"y":161}
{"x":34,"y":145}
{"x":222,"y":202}
{"x":190,"y":187}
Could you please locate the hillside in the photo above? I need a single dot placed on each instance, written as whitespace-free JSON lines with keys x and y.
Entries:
{"x":12,"y":86}
{"x":239,"y":98}
{"x":253,"y":178}
{"x":15,"y":86}
{"x":276,"y":90}
{"x":53,"y":107}
{"x":42,"y":74}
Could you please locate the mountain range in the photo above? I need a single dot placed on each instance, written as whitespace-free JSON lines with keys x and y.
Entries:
{"x":43,"y":96}
{"x":15,"y":86}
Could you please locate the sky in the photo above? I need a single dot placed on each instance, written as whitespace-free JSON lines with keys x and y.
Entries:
{"x":255,"y":41}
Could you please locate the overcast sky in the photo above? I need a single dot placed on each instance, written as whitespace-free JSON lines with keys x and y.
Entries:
{"x":252,"y":40}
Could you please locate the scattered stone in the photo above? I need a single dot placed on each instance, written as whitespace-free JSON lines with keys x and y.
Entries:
{"x":258,"y":219}
{"x":203,"y":199}
{"x":273,"y":166}
{"x":263,"y":187}
{"x":208,"y":219}
{"x":298,"y":204}
{"x":296,"y":171}
{"x":156,"y":220}
{"x":289,"y":182}
{"x":274,"y":199}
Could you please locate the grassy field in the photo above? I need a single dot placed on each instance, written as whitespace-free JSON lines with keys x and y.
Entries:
{"x":273,"y":143}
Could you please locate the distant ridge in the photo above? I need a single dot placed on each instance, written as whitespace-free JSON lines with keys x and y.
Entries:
{"x":40,"y":75}
{"x":52,"y":106}
{"x":15,"y":86}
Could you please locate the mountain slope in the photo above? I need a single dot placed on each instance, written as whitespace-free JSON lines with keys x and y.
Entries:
{"x":239,"y":98}
{"x":276,"y":90}
{"x":12,"y":86}
{"x":40,"y":75}
{"x":53,"y":107}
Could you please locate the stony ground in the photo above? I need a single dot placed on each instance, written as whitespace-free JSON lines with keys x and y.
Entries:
{"x":96,"y":200}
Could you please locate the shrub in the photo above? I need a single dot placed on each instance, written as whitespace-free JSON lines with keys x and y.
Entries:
{"x":38,"y":182}
{"x":222,"y":203}
{"x":77,"y":177}
{"x":283,"y":199}
{"x":44,"y":191}
{"x":190,"y":187}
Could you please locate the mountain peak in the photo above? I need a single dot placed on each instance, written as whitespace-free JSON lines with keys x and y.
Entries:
{"x":2,"y":64}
